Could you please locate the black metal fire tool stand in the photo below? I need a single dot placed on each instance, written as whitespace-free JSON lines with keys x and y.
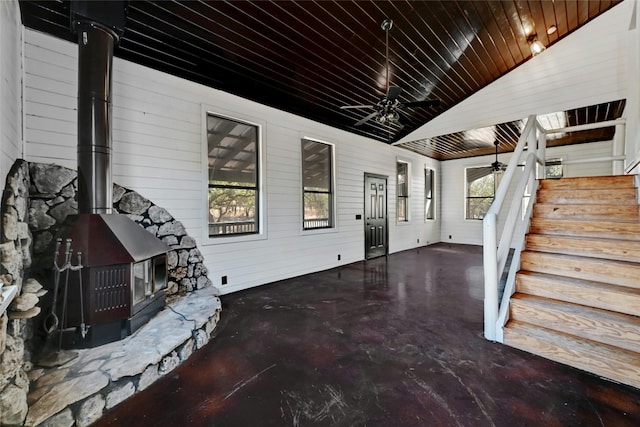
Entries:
{"x":54,"y":323}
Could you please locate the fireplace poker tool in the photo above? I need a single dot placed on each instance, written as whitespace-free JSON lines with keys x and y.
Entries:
{"x":52,"y":322}
{"x":66,"y":267}
{"x":78,"y":268}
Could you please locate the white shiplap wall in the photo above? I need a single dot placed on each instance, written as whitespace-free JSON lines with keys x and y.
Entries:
{"x":10,"y":85}
{"x":158,"y":150}
{"x":632,"y":111}
{"x":453,"y":186}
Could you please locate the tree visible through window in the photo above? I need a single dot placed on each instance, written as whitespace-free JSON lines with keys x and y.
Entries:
{"x":233,"y":176}
{"x":317,"y":173}
{"x":481,"y":189}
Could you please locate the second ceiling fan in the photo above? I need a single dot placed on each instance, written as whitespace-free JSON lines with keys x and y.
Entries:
{"x":386,"y":110}
{"x":498,"y":166}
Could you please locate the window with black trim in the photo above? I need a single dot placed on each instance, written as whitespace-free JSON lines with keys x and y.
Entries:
{"x":232,"y":148}
{"x":481,"y":183}
{"x":402,"y":192}
{"x":429,"y":196}
{"x":553,"y":169}
{"x":317,"y":177}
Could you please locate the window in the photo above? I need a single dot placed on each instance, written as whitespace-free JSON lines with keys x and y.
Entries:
{"x":481,"y":189}
{"x":429,"y":201}
{"x":232,"y":148}
{"x":317,"y":174}
{"x":403,"y":192}
{"x":553,"y":169}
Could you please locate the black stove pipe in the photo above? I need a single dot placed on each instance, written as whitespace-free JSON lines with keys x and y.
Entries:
{"x":99,"y":25}
{"x":95,"y":58}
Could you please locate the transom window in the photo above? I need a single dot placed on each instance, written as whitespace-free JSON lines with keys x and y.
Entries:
{"x":482,"y":183}
{"x":317,"y":177}
{"x":403,"y":192}
{"x":233,"y":176}
{"x":429,"y":199}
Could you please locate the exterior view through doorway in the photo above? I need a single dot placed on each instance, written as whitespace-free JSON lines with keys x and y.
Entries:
{"x":375,"y":212}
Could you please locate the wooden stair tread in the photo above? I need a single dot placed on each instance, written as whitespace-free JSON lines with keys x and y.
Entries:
{"x":620,"y":299}
{"x":625,"y":230}
{"x":616,"y":329}
{"x":601,"y":270}
{"x":601,"y":359}
{"x":610,"y":181}
{"x":614,"y":249}
{"x":577,"y":294}
{"x":615,"y":212}
{"x":592,"y":196}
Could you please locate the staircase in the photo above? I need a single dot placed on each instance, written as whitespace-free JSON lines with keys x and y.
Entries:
{"x":577,"y":297}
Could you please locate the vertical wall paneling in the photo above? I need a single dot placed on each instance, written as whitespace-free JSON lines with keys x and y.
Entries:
{"x":158,"y":150}
{"x":10,"y":85}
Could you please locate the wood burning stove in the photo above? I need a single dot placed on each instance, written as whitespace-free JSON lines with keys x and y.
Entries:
{"x":124,"y":269}
{"x":124,"y":276}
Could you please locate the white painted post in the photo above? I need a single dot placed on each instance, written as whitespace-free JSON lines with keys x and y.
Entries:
{"x":618,"y":149}
{"x":490,"y":276}
{"x":541,"y":170}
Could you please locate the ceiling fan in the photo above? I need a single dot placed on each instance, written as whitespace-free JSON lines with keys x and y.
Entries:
{"x":498,"y":166}
{"x":386,"y":110}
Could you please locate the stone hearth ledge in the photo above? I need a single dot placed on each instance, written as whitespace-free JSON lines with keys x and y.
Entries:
{"x":100,"y":378}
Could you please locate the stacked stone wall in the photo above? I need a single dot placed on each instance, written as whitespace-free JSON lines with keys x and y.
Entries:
{"x":15,"y":327}
{"x":35,"y":203}
{"x":53,"y":191}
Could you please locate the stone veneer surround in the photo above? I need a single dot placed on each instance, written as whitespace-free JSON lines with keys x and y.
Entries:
{"x":36,"y":201}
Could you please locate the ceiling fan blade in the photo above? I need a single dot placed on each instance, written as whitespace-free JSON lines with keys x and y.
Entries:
{"x":346,"y":107}
{"x":369,"y":117}
{"x":425,"y":103}
{"x":394,"y":92}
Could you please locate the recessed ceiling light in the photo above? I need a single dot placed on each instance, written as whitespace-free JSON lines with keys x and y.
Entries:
{"x":552,"y":29}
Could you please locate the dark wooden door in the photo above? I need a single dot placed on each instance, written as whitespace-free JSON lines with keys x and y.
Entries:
{"x":375,"y":212}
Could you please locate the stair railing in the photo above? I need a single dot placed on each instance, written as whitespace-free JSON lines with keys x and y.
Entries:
{"x":617,"y":157}
{"x":496,"y":253}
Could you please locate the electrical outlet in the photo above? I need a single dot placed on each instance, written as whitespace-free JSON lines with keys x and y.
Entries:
{"x":417,"y":240}
{"x":449,"y":236}
{"x":338,"y":257}
{"x":223,"y":280}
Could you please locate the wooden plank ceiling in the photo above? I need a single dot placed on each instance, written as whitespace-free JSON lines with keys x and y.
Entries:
{"x":312,"y":57}
{"x":479,"y":142}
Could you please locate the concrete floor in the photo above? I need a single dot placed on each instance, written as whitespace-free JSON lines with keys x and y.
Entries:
{"x":394,"y":341}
